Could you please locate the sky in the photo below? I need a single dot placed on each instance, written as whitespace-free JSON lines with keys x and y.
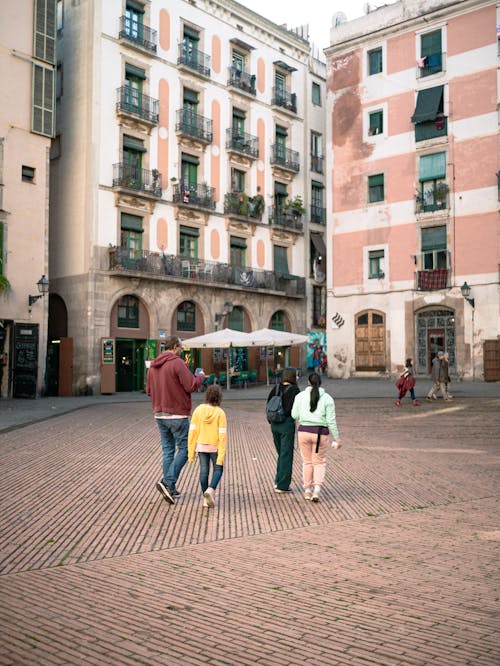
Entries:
{"x":317,"y":13}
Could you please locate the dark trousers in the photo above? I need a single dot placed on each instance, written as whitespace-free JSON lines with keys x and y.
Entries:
{"x":284,"y":440}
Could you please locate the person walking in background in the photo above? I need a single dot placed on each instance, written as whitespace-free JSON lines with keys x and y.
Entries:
{"x":439,"y":376}
{"x":446,"y":375}
{"x":406,"y":382}
{"x":284,"y":432}
{"x":170,"y":384}
{"x":314,"y":409}
{"x":207,"y":437}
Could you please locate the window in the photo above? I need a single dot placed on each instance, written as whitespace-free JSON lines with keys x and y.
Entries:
{"x":434,"y":252}
{"x":237,"y":180}
{"x":431,"y":57}
{"x":134,"y":78}
{"x":375,"y":123}
{"x":186,"y":316}
{"x":189,"y":173}
{"x":42,"y":118}
{"x":190,"y":47}
{"x":280,"y":143}
{"x":317,"y":209}
{"x":188,"y":242}
{"x":280,"y":86}
{"x":239,"y":61}
{"x":376,"y":264}
{"x":238,"y":125}
{"x":278,"y":321}
{"x":428,"y":117}
{"x":128,"y":312}
{"x":433,"y":188}
{"x":236,"y":319}
{"x":132,"y":161}
{"x":28,"y":174}
{"x":280,"y":259}
{"x":319,"y":307}
{"x":134,"y":18}
{"x":59,"y":15}
{"x":374,"y":61}
{"x":131,"y":234}
{"x":376,"y":188}
{"x":238,"y":251}
{"x":316,"y":94}
{"x":280,"y":196}
{"x":59,"y":81}
{"x":316,"y":152}
{"x":190,"y":111}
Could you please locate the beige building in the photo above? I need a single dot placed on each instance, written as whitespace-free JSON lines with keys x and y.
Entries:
{"x":186,"y":185}
{"x":27,"y":59}
{"x":413,"y":95}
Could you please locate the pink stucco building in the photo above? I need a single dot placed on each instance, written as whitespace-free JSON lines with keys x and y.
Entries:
{"x":413,"y":196}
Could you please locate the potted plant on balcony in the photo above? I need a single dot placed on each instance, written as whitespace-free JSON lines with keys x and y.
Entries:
{"x":4,"y":283}
{"x":257,"y":205}
{"x":295,"y":207}
{"x":440,"y":192}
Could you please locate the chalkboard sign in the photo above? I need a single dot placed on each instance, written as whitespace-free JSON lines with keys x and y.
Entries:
{"x":25,"y":371}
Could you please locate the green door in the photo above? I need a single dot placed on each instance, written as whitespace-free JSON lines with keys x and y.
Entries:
{"x":130,"y":366}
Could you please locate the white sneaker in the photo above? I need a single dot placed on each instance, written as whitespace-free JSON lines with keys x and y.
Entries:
{"x":315,"y":495}
{"x":205,"y":503}
{"x":209,"y":497}
{"x":308,"y":494}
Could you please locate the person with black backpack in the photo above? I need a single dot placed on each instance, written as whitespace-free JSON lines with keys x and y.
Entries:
{"x":278,"y":412}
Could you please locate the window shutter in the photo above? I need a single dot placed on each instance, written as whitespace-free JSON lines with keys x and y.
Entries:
{"x":190,"y":159}
{"x":189,"y":231}
{"x":131,"y":222}
{"x":432,"y":166}
{"x":375,"y":181}
{"x":130,"y":143}
{"x":431,"y":43}
{"x":190,"y":96}
{"x":238,"y":242}
{"x":45,"y":30}
{"x":280,"y":260}
{"x":42,"y":121}
{"x":434,"y":238}
{"x":279,"y":188}
{"x":135,"y":71}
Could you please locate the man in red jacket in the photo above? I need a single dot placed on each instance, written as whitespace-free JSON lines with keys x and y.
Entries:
{"x":169,"y":384}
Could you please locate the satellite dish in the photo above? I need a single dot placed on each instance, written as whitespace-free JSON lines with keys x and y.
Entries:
{"x":338,"y":18}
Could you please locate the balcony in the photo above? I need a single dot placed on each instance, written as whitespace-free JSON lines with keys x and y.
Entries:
{"x":431,"y":129}
{"x":241,"y":205}
{"x":193,"y":126}
{"x":137,"y":34}
{"x":284,"y":100}
{"x":432,"y":279}
{"x":144,"y":181}
{"x":318,"y":214}
{"x":124,"y":261}
{"x":243,"y":143}
{"x":285,"y":158}
{"x":317,"y":163}
{"x":194,"y":195}
{"x":285,"y":219}
{"x":241,"y":80}
{"x":432,"y":199}
{"x":194,"y":60}
{"x":131,"y":102}
{"x":431,"y":64}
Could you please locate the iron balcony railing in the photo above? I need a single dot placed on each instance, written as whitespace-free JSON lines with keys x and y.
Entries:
{"x":431,"y":199}
{"x":193,"y":125}
{"x":318,"y":214}
{"x":317,"y":163}
{"x":168,"y":266}
{"x":194,"y":195}
{"x":242,"y":142}
{"x":137,"y":34}
{"x":431,"y":64}
{"x":193,"y":59}
{"x":287,"y":219}
{"x":284,"y":157}
{"x":241,"y":80}
{"x":239,"y":203}
{"x":133,"y":102}
{"x":140,"y":180}
{"x":431,"y":129}
{"x":285,"y":100}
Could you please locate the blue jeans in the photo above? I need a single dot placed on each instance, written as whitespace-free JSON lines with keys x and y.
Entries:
{"x":205,"y":459}
{"x":173,"y":435}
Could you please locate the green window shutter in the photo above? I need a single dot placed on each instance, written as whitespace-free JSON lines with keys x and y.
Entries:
{"x":190,"y":96}
{"x":237,"y":113}
{"x":279,"y":188}
{"x":432,"y":166}
{"x":136,"y":6}
{"x":431,"y":43}
{"x":135,"y":71}
{"x":434,"y":238}
{"x":429,"y":103}
{"x":44,"y":33}
{"x":238,"y":242}
{"x":43,"y":90}
{"x":280,"y":260}
{"x":189,"y":231}
{"x":130,"y":143}
{"x":374,"y":181}
{"x":281,"y":131}
{"x":191,"y":34}
{"x":190,"y":159}
{"x":316,"y":94}
{"x":131,"y":222}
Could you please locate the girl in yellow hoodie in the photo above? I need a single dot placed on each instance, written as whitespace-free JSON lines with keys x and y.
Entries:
{"x":207,"y":437}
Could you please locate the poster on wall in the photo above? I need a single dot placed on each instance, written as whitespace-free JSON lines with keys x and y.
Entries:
{"x":316,"y":352}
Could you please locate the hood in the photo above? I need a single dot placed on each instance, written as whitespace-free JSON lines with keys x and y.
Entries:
{"x":207,"y":413}
{"x":163,"y":358}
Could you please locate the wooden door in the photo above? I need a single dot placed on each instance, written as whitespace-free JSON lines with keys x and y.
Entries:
{"x":370,"y":353}
{"x":66,"y":367}
{"x":491,"y":353}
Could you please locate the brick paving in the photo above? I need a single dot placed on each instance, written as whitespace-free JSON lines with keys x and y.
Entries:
{"x":398,"y":564}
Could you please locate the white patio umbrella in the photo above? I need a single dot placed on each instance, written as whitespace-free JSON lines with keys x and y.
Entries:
{"x":225,"y":339}
{"x":279,"y":339}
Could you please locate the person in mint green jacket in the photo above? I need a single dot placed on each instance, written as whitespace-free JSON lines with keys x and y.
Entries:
{"x":314,"y":409}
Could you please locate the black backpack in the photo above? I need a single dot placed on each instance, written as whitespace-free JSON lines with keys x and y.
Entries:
{"x":274,"y":408}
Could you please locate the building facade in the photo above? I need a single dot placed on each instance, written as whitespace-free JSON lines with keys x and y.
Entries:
{"x":181,"y":194}
{"x":27,"y":62}
{"x":412,"y":105}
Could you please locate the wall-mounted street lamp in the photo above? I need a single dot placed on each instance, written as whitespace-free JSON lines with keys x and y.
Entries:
{"x":465,"y":289}
{"x":219,"y":317}
{"x":43,"y":288}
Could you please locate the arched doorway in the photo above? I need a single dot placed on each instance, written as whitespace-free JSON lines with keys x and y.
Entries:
{"x":435,"y":332}
{"x":59,"y":363}
{"x":370,"y":351}
{"x":130,"y":328}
